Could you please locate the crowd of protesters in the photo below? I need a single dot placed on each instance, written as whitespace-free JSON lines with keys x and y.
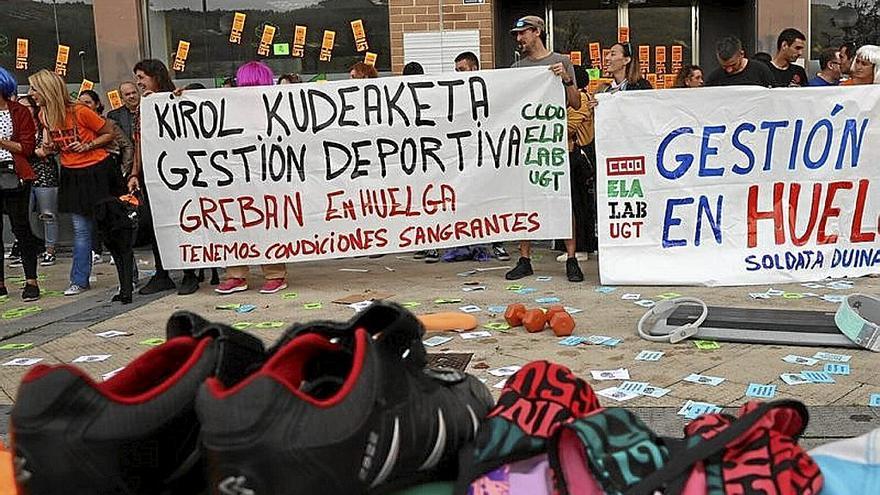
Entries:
{"x":58,"y":155}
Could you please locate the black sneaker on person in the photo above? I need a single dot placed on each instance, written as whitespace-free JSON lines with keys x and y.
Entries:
{"x":420,"y":255}
{"x":432,"y":256}
{"x":135,"y":432}
{"x":30,"y":293}
{"x":499,"y":252}
{"x":522,"y":269}
{"x":573,"y":270}
{"x":158,"y":283}
{"x":189,"y":284}
{"x":354,"y":400}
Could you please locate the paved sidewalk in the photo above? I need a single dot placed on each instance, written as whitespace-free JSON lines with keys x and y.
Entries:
{"x":65,"y":330}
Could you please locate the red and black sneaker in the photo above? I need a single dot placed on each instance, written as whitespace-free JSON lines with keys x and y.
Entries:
{"x":137,"y":432}
{"x":341,"y":408}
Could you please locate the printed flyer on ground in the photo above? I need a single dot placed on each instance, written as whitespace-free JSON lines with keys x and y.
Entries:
{"x":358,"y":167}
{"x":735,"y":186}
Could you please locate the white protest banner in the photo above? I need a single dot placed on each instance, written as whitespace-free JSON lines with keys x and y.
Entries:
{"x":737,"y":186}
{"x":350,"y":168}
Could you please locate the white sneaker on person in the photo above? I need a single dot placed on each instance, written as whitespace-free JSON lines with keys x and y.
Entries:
{"x":75,"y":290}
{"x":562,"y":258}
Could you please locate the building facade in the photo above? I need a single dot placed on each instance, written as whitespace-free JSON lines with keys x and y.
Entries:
{"x":106,"y":37}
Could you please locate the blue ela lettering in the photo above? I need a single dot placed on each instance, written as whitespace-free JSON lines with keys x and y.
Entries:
{"x":812,"y":146}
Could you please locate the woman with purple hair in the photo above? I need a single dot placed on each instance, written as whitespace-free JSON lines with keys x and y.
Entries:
{"x":254,"y":74}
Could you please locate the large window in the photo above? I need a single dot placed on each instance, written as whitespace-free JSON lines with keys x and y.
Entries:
{"x":663,"y":24}
{"x":45,"y":24}
{"x":576,"y":24}
{"x":837,"y":21}
{"x":206,"y":25}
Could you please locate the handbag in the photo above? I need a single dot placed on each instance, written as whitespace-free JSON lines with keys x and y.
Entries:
{"x":9,"y":180}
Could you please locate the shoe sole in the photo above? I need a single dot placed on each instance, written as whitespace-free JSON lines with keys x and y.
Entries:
{"x":48,"y":264}
{"x":240,"y":288}
{"x":273,"y":291}
{"x":31,"y":299}
{"x":431,"y":261}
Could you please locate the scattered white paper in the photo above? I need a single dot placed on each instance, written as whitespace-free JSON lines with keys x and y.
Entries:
{"x":833,"y":298}
{"x":805,"y":361}
{"x":646,"y":303}
{"x":614,"y":393}
{"x":505,"y":371}
{"x":360,"y":306}
{"x":597,"y":339}
{"x":775,"y":292}
{"x":473,"y":288}
{"x":543,"y":279}
{"x":111,"y":334}
{"x":713,"y":381}
{"x":813,"y":285}
{"x":634,"y":387}
{"x":97,"y":358}
{"x":618,"y":374}
{"x":655,"y":392}
{"x":111,"y":374}
{"x":573,"y":311}
{"x":500,"y":384}
{"x":759,"y":295}
{"x":836,"y":358}
{"x":631,"y":297}
{"x":23,"y":362}
{"x":436,"y":341}
{"x":794,"y":379}
{"x":475,"y":335}
{"x":354,"y":270}
{"x":470,"y":309}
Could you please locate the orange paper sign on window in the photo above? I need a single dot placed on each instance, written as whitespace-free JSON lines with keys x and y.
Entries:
{"x":669,"y":80}
{"x":660,"y":59}
{"x":370,"y":58}
{"x":21,"y":54}
{"x":299,"y":41}
{"x":237,"y":27}
{"x":180,"y":56}
{"x":652,"y":78}
{"x":576,"y":58}
{"x":327,"y":46}
{"x":596,"y":54}
{"x":61,"y":60}
{"x":623,"y":35}
{"x":266,"y":40}
{"x":114,"y":99}
{"x":606,"y":54}
{"x":85,"y":86}
{"x":677,"y":53}
{"x":645,"y":58}
{"x":360,"y":35}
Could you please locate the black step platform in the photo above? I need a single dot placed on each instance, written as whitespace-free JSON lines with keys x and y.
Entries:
{"x":761,"y":326}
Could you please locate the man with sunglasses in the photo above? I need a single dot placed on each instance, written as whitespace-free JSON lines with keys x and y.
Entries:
{"x":829,"y":73}
{"x":530,"y":44}
{"x":735,"y":69}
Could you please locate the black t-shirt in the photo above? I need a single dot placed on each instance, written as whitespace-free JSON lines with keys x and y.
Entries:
{"x":756,"y":73}
{"x":793,"y":75}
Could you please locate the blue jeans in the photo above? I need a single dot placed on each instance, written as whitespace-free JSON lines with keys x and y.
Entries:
{"x":46,"y":202}
{"x":83,"y":229}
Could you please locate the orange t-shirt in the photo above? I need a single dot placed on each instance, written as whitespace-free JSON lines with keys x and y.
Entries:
{"x":87,"y":125}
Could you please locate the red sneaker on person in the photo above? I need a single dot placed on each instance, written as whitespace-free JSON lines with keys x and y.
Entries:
{"x":231,"y":286}
{"x":273,"y":285}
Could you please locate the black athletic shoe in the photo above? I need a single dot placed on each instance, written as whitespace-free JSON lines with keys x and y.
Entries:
{"x":499,"y":252}
{"x":30,"y":293}
{"x":159,"y":283}
{"x":135,"y":433}
{"x":522,"y":269}
{"x":189,"y":284}
{"x":432,"y":256}
{"x":573,"y":270}
{"x":341,"y":409}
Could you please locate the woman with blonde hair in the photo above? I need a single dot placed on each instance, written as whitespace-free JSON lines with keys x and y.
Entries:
{"x":88,"y":175}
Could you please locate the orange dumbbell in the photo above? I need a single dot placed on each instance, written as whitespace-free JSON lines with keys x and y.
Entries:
{"x":535,"y":320}
{"x":514,"y":314}
{"x":562,"y":324}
